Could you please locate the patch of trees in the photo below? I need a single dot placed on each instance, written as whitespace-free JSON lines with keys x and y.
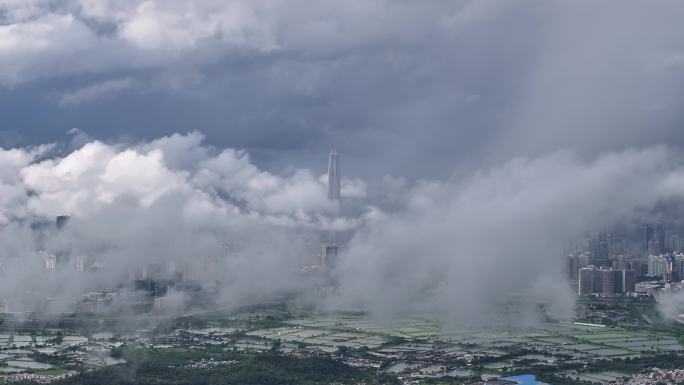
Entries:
{"x":147,"y":367}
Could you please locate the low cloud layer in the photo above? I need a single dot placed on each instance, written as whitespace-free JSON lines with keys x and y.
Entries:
{"x":462,"y":247}
{"x":470,"y":245}
{"x":171,"y":199}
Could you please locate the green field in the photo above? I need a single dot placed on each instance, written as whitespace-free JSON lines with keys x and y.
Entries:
{"x":51,"y":372}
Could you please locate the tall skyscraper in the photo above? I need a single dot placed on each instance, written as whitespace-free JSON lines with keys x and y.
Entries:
{"x":589,"y":281}
{"x":646,"y":234}
{"x":612,"y":282}
{"x":61,"y":221}
{"x":600,"y":255}
{"x":660,"y":233}
{"x":657,"y":266}
{"x":334,"y":176}
{"x":329,"y":256}
{"x":628,"y":281}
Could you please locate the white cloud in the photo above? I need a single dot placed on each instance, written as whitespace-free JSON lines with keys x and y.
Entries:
{"x":459,"y":247}
{"x":48,"y":46}
{"x":175,"y":198}
{"x":142,"y":176}
{"x":42,"y":40}
{"x":99,"y":174}
{"x":129,"y":207}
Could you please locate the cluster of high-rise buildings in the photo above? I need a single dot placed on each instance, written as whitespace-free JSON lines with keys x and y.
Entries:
{"x":610,"y":264}
{"x":636,"y":263}
{"x":668,"y":267}
{"x":644,"y":240}
{"x":606,"y":281}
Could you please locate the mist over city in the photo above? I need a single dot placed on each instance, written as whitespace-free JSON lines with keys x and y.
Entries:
{"x":377,"y":192}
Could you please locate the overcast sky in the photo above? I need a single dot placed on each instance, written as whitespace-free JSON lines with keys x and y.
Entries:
{"x":409,"y":88}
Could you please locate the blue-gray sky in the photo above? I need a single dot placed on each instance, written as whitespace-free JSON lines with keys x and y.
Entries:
{"x":408,"y":88}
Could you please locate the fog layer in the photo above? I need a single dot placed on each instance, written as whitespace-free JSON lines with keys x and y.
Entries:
{"x":461,"y":247}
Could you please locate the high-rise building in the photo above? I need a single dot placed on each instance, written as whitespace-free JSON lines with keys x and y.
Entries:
{"x":617,"y":244}
{"x":631,"y":262}
{"x":329,"y":256}
{"x":590,"y":280}
{"x":80,"y":263}
{"x":178,"y":270}
{"x":51,"y":262}
{"x":576,"y":262}
{"x":600,"y":255}
{"x":63,"y":250}
{"x":584,"y":260}
{"x":334,"y":176}
{"x":61,"y":221}
{"x":654,"y":246}
{"x":678,"y":268}
{"x":334,"y":185}
{"x":646,"y":234}
{"x":612,"y":282}
{"x":628,"y":281}
{"x":673,"y":242}
{"x":670,"y":272}
{"x":657,"y":266}
{"x":572,"y":267}
{"x":605,"y":281}
{"x":660,"y":236}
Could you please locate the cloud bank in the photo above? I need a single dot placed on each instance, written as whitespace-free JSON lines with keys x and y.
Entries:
{"x":462,"y":247}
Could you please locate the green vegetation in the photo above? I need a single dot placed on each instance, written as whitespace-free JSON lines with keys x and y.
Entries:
{"x":150,"y":366}
{"x":263,"y":346}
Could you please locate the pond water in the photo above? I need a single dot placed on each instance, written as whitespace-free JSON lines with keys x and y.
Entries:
{"x":460,"y":373}
{"x":108,"y":360}
{"x":400,"y":367}
{"x":102,"y":336}
{"x":29,"y":364}
{"x":7,"y":369}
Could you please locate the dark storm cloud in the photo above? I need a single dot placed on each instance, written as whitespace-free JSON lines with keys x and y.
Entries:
{"x":389,"y":83}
